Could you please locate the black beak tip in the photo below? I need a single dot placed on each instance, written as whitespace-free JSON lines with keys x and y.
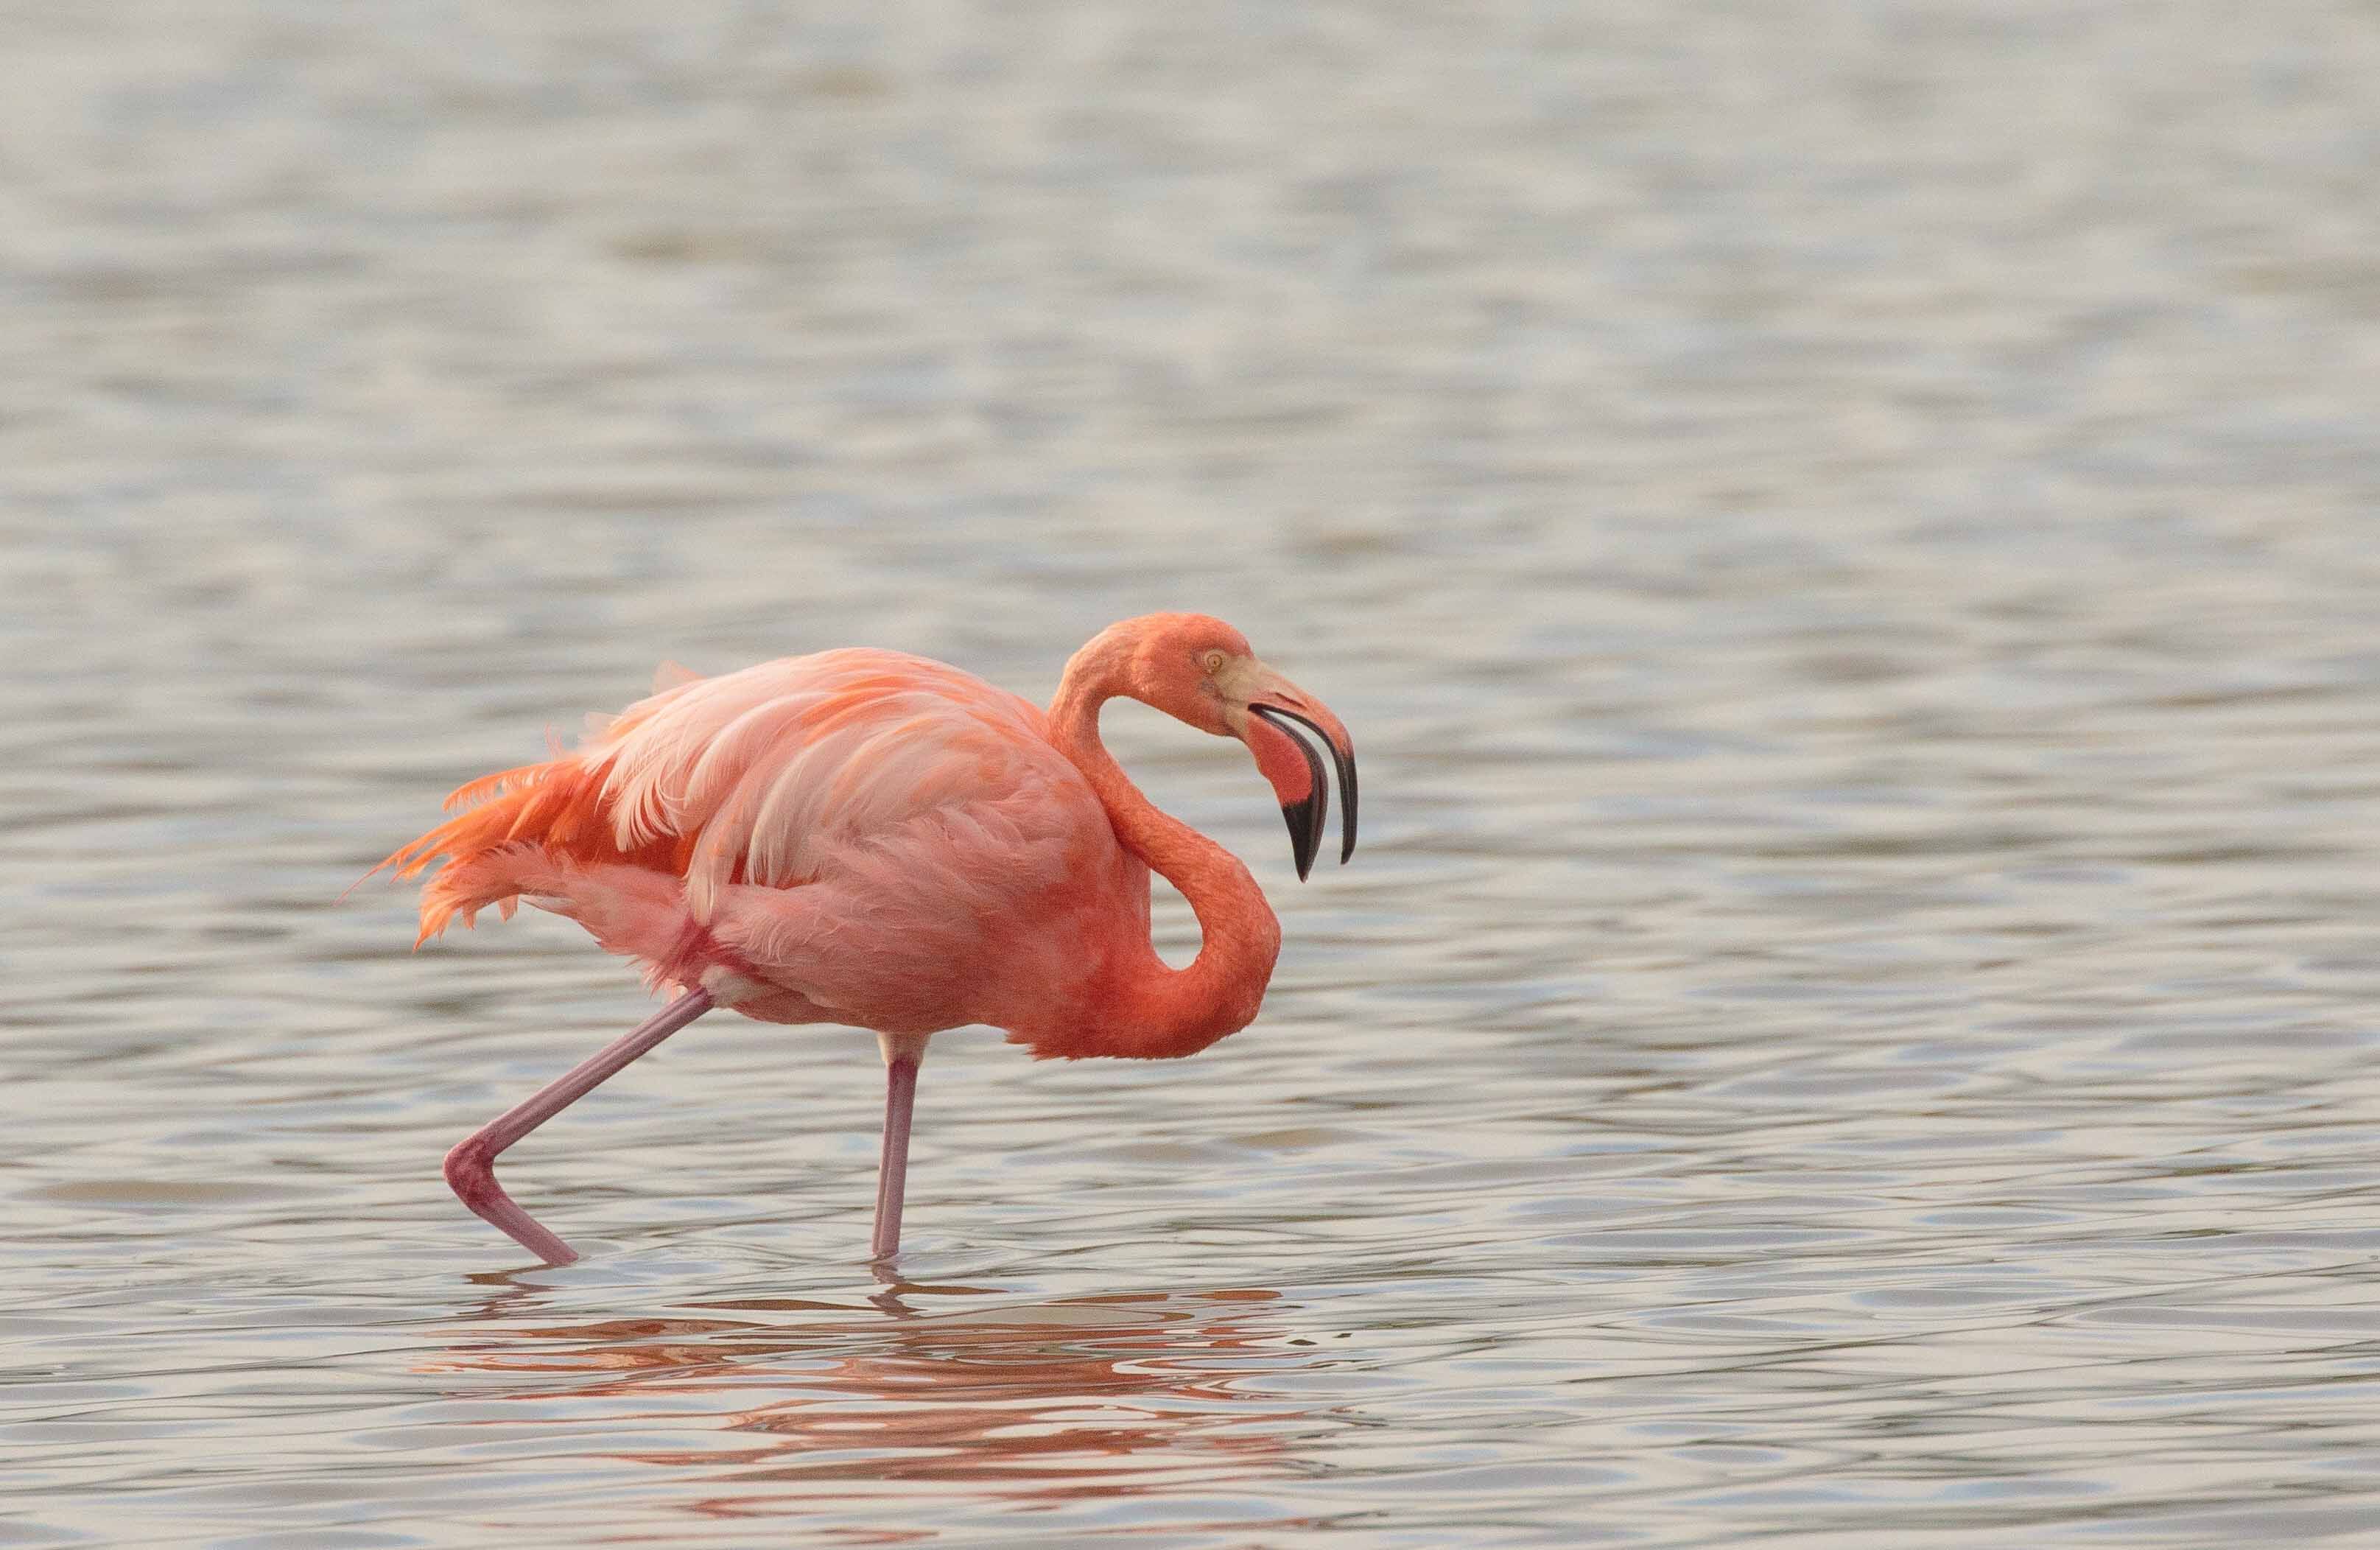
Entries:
{"x":1304,"y":831}
{"x":1307,"y":818}
{"x":1346,"y":804}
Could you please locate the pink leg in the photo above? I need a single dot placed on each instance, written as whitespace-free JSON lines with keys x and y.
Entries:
{"x":900,"y":1060}
{"x":471,"y":1166}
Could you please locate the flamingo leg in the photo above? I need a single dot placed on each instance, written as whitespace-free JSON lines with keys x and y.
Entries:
{"x":471,"y":1166}
{"x":901,"y":1057}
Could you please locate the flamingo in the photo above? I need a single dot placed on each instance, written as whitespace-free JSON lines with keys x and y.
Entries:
{"x":881,"y":840}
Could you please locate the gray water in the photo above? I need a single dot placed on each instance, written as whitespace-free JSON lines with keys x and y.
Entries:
{"x":1845,"y":534}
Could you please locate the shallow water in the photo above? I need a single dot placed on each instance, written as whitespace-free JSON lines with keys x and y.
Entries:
{"x":1845,"y":535}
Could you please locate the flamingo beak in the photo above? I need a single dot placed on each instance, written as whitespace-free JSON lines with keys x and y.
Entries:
{"x":1305,"y":805}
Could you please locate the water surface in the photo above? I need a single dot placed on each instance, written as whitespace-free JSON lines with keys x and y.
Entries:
{"x":1845,"y":534}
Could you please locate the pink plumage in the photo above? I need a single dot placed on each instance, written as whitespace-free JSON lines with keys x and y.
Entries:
{"x":884,"y":841}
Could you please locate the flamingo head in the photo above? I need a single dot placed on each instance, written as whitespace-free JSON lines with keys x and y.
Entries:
{"x":1202,"y":671}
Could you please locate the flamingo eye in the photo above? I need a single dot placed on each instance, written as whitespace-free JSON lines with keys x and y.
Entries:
{"x":1214,"y":662}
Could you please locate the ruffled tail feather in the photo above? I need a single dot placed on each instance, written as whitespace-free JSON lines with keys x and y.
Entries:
{"x":516,"y":828}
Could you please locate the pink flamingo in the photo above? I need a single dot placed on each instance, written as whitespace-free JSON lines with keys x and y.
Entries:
{"x":877,"y":839}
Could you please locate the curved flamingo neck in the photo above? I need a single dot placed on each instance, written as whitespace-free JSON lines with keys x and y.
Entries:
{"x":1156,"y":1010}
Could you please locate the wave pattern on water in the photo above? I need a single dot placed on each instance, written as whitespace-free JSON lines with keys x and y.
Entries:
{"x":1844,"y":536}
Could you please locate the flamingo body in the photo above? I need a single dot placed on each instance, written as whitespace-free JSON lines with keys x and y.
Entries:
{"x":881,"y":840}
{"x":858,"y":836}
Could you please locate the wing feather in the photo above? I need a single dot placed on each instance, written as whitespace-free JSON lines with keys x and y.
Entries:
{"x":775,"y":776}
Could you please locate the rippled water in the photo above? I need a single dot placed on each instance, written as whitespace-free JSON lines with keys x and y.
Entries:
{"x":1846,"y":536}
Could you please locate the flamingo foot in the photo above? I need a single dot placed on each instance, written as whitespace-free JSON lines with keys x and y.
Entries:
{"x":471,"y":1174}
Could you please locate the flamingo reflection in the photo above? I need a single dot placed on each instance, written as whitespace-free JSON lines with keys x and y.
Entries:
{"x":1109,"y":1396}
